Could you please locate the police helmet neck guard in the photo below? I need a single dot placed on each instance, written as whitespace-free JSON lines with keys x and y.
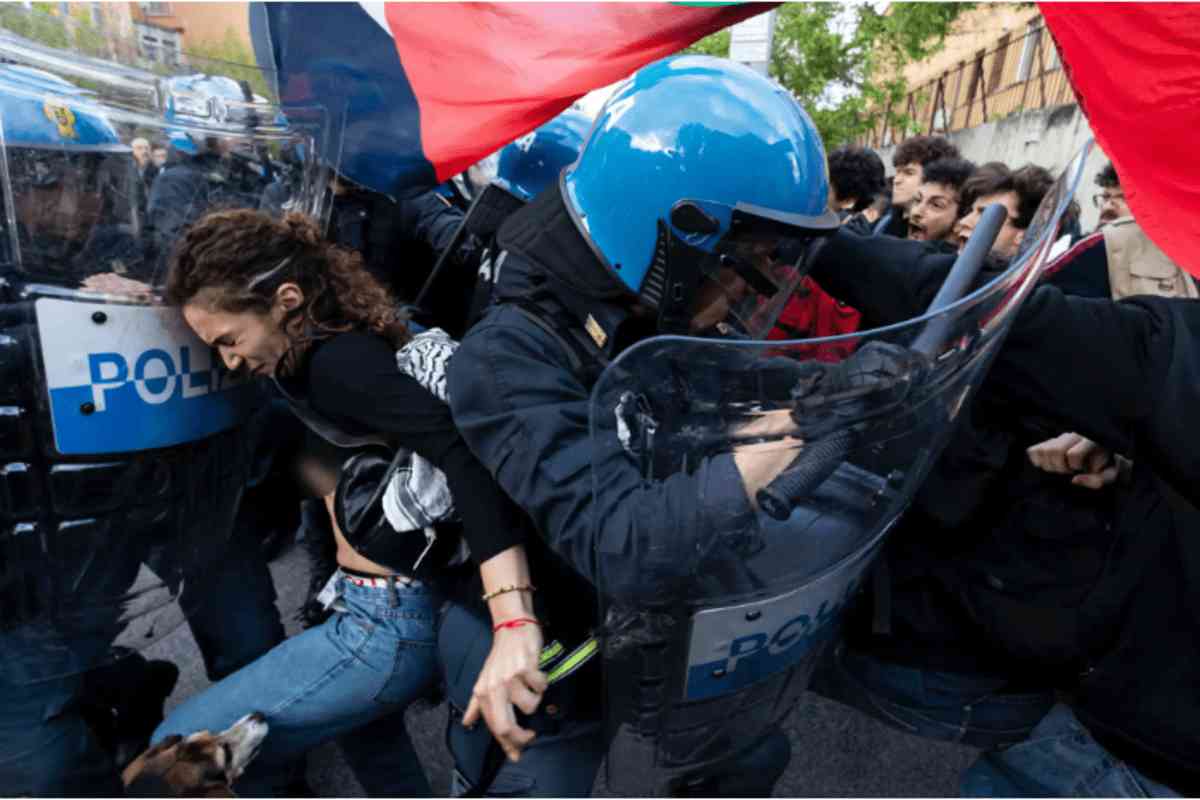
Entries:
{"x":700,"y":170}
{"x":534,"y":161}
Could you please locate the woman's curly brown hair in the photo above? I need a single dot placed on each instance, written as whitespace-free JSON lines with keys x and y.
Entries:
{"x":239,"y":258}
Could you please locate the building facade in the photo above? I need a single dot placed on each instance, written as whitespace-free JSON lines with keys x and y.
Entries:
{"x":998,"y":60}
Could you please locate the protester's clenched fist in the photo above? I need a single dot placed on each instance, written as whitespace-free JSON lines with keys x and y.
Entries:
{"x":1092,"y":466}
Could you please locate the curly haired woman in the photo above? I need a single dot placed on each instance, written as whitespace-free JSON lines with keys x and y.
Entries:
{"x":279,"y":302}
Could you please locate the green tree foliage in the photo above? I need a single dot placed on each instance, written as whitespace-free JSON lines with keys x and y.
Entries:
{"x":841,"y":62}
{"x":88,"y":38}
{"x":41,"y":24}
{"x":14,"y":18}
{"x":716,"y":44}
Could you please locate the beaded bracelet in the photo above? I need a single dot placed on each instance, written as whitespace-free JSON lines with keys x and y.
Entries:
{"x":506,"y":590}
{"x":515,"y":623}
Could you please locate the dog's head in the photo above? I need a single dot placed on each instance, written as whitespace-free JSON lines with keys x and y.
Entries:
{"x":202,"y":765}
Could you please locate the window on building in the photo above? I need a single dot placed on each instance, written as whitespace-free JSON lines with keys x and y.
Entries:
{"x":999,"y":56}
{"x":976,"y":77}
{"x":1029,"y":51}
{"x":158,"y":45}
{"x":149,"y":47}
{"x":155,"y":9}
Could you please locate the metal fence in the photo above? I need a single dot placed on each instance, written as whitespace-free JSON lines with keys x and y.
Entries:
{"x":1016,"y":75}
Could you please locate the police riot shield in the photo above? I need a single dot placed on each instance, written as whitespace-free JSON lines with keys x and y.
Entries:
{"x":122,"y":458}
{"x":743,"y":491}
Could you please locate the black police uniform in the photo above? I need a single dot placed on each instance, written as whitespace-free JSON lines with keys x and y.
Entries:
{"x":76,"y":527}
{"x":192,"y":186}
{"x":1126,"y":375}
{"x":520,"y":388}
{"x":399,"y":239}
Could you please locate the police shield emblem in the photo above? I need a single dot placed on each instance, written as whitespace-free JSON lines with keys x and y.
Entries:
{"x":763,"y":485}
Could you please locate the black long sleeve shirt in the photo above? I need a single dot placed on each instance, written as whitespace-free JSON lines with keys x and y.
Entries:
{"x":352,"y":379}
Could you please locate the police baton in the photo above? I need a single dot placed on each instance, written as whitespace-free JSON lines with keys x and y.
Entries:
{"x":820,"y":458}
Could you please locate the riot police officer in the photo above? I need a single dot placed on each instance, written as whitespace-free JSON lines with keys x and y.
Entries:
{"x":524,"y":169}
{"x":527,"y":166}
{"x":585,"y":266}
{"x":212,"y":168}
{"x":121,"y":469}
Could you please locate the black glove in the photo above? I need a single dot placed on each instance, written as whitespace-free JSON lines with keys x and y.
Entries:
{"x":870,"y":383}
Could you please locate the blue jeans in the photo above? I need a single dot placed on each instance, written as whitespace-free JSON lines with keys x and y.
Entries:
{"x":46,"y":748}
{"x":954,"y":707}
{"x":1060,"y":759}
{"x":372,"y":658}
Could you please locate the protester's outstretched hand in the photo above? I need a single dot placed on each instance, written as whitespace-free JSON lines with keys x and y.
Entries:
{"x":112,"y":283}
{"x":1092,"y":466}
{"x":510,"y":677}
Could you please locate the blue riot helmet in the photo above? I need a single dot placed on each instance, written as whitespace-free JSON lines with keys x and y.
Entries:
{"x":66,"y":170}
{"x":212,"y":111}
{"x":534,"y":161}
{"x":181,"y":142}
{"x":700,"y":188}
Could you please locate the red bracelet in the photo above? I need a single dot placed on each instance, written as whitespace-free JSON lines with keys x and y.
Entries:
{"x":515,"y":623}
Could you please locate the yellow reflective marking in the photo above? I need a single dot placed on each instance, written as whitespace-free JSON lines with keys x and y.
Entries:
{"x":549,"y":653}
{"x":580,"y":656}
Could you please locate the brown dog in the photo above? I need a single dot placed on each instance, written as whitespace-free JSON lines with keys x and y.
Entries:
{"x":202,"y":765}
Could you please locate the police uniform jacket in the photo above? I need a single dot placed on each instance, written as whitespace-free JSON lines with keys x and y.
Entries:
{"x":522,"y":403}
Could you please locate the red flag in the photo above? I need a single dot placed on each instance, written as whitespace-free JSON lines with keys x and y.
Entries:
{"x":426,"y":89}
{"x":486,"y":73}
{"x":1136,"y":70}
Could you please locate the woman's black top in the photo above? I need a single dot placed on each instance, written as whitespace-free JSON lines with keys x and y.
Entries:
{"x":352,"y":380}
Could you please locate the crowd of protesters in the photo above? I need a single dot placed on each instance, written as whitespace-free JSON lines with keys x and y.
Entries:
{"x":1004,"y":615}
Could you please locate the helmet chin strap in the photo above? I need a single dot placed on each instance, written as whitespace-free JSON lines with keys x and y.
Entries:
{"x":673,"y":281}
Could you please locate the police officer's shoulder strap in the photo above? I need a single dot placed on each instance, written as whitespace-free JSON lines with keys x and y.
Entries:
{"x":543,"y":309}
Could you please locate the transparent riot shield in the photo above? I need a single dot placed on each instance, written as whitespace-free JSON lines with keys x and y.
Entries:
{"x":123,"y":445}
{"x":742,"y":494}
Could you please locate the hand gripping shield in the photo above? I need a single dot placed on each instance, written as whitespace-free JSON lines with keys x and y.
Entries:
{"x":716,"y":609}
{"x":124,"y":444}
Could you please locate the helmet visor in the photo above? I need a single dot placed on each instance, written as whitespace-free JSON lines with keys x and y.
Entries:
{"x":757,"y":266}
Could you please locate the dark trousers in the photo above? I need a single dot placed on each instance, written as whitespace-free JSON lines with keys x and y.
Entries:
{"x":46,"y":746}
{"x":565,"y":761}
{"x":974,"y":709}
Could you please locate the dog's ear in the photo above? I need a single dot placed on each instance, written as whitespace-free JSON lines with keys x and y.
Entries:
{"x":149,"y":784}
{"x":165,"y":744}
{"x":143,"y":764}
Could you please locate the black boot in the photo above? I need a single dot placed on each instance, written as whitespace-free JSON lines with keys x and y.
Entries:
{"x":123,"y":703}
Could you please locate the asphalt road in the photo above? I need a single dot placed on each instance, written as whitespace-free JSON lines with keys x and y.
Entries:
{"x":836,"y":752}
